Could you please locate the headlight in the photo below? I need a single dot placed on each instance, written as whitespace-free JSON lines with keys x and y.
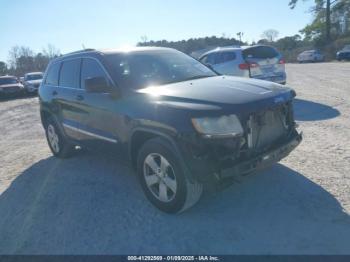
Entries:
{"x":218,"y":126}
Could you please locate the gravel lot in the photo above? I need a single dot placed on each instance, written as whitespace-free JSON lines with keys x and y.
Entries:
{"x":93,"y":204}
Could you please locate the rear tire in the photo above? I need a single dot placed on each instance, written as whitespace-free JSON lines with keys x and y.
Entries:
{"x":164,"y":180}
{"x":58,"y":143}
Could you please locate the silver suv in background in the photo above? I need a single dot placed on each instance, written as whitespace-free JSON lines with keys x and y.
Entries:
{"x":32,"y":82}
{"x":260,"y":62}
{"x":310,"y":56}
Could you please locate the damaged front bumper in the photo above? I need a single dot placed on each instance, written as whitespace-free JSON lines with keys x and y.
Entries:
{"x":207,"y":167}
{"x":264,"y":159}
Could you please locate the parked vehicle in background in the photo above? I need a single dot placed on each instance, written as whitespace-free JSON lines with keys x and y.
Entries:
{"x":21,"y":80}
{"x":180,"y":124}
{"x":32,"y":82}
{"x":344,"y":54}
{"x":9,"y":85}
{"x":260,"y":62}
{"x":310,"y":56}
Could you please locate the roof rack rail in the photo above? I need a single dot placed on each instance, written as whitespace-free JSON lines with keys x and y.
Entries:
{"x":81,"y":51}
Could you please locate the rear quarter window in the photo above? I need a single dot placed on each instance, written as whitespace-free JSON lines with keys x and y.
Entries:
{"x":260,"y":52}
{"x":52,"y":74}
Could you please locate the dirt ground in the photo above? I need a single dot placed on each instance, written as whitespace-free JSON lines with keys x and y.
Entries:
{"x":93,"y":204}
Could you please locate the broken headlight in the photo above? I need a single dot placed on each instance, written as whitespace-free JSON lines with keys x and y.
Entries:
{"x":218,"y":126}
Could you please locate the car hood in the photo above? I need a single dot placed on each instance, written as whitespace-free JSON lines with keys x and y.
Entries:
{"x":220,"y":90}
{"x":33,"y":82}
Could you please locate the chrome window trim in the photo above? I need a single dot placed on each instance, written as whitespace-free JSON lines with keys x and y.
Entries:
{"x":90,"y":134}
{"x":79,"y":57}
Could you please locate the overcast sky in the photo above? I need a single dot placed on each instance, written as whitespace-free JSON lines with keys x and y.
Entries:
{"x":68,"y":24}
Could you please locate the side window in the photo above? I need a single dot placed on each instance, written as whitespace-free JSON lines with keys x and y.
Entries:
{"x":211,"y":59}
{"x":52,"y":74}
{"x":91,"y":69}
{"x":227,"y":57}
{"x":69,"y":76}
{"x":204,"y":59}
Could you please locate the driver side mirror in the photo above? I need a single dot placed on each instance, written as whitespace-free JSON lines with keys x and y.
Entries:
{"x":97,"y":85}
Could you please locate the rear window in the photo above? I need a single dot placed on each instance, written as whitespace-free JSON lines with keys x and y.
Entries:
{"x":69,"y":74}
{"x":52,"y":75}
{"x":260,"y":52}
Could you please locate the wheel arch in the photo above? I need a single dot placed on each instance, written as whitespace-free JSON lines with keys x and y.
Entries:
{"x":45,"y":115}
{"x":140,"y":135}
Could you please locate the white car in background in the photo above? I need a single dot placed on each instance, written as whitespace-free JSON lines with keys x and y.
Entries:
{"x":259,"y":61}
{"x":310,"y":56}
{"x":32,"y":82}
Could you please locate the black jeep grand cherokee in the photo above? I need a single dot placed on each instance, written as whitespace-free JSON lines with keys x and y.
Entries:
{"x":180,"y":123}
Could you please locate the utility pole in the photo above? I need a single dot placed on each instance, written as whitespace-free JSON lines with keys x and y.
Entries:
{"x":328,"y":21}
{"x":240,"y":35}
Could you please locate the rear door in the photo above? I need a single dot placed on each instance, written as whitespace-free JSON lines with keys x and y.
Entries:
{"x":67,"y":97}
{"x":224,"y":62}
{"x":265,"y":62}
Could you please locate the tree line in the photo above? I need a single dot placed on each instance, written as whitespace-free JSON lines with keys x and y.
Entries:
{"x":23,"y":60}
{"x":328,"y":31}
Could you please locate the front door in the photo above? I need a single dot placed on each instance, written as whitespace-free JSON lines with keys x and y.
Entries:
{"x":102,"y":124}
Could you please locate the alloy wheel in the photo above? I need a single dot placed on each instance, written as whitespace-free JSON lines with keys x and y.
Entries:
{"x":160,"y":177}
{"x":53,"y":138}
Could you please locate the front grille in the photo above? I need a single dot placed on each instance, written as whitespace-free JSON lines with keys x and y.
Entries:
{"x":11,"y":89}
{"x":268,"y":127}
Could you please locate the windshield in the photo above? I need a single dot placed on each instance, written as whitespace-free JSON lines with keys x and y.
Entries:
{"x":8,"y":81}
{"x":141,"y":69}
{"x":34,"y":77}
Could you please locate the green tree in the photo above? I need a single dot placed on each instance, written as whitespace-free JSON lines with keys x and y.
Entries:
{"x":194,"y":44}
{"x":23,"y":60}
{"x":270,"y":35}
{"x":321,"y":26}
{"x":3,"y":68}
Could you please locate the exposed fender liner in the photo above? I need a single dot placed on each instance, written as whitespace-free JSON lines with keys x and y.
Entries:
{"x":54,"y":117}
{"x":172,"y":142}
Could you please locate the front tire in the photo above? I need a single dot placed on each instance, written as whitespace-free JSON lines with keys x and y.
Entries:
{"x":164,"y":180}
{"x":59,"y":145}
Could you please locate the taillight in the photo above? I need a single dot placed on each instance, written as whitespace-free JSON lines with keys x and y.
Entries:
{"x":282,"y":61}
{"x":244,"y":66}
{"x":253,"y":65}
{"x":247,"y":66}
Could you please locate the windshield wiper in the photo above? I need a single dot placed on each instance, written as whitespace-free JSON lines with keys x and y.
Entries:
{"x":197,"y":77}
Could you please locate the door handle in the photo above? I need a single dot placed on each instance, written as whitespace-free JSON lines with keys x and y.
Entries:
{"x":79,"y":97}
